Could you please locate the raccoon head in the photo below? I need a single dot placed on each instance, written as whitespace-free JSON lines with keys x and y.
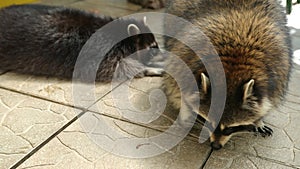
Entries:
{"x":144,"y":44}
{"x":245,"y":104}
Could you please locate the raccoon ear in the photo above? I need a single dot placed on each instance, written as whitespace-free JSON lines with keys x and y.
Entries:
{"x":132,"y":30}
{"x":145,"y":21}
{"x":248,"y":89}
{"x":204,"y":83}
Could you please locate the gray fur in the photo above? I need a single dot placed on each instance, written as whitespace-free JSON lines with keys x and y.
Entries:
{"x":46,"y":40}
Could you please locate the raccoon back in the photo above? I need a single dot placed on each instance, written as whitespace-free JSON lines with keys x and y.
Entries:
{"x":250,"y":37}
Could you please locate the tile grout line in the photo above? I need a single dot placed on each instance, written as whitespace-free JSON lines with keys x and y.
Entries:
{"x":190,"y":137}
{"x":37,"y":148}
{"x":41,"y":145}
{"x":97,"y":100}
{"x":206,"y":159}
{"x":40,"y":98}
{"x":57,"y":102}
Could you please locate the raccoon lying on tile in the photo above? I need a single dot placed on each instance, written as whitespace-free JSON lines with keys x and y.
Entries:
{"x":46,"y":40}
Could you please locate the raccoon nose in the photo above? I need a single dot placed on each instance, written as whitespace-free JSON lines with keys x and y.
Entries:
{"x":216,"y":146}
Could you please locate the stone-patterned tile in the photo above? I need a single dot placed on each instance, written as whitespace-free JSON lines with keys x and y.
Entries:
{"x":139,"y":101}
{"x":49,"y":159}
{"x":233,"y":160}
{"x":187,"y":155}
{"x":12,"y":143}
{"x":75,"y":145}
{"x":54,"y":89}
{"x":7,"y":160}
{"x":26,"y":122}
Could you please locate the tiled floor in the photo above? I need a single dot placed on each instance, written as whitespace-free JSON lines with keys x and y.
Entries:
{"x":41,"y":126}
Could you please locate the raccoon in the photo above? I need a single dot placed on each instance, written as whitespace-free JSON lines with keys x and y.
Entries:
{"x":254,"y":47}
{"x":46,"y":40}
{"x":152,"y":4}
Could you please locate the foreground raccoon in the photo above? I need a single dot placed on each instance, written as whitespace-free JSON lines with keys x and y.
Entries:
{"x":46,"y":40}
{"x":254,"y":47}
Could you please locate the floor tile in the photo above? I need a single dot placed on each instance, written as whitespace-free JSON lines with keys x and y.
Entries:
{"x":26,"y":122}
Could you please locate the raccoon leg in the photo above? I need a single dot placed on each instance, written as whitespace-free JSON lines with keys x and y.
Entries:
{"x":129,"y":67}
{"x":187,"y":116}
{"x":262,"y":129}
{"x":155,"y":67}
{"x":150,"y":71}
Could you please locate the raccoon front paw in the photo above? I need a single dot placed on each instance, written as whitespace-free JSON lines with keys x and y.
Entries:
{"x":149,"y":71}
{"x":264,"y":131}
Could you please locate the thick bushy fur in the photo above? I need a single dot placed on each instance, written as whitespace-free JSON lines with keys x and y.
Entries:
{"x":253,"y":43}
{"x":46,"y":40}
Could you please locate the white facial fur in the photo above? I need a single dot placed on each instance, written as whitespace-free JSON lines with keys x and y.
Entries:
{"x":145,"y":20}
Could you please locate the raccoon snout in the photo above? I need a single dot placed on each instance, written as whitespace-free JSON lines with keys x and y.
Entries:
{"x":217,"y":140}
{"x":216,"y":145}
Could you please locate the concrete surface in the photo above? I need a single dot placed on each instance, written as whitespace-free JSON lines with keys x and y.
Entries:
{"x":42,"y":127}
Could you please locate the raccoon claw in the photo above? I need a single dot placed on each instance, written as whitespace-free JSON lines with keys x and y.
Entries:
{"x":264,"y":131}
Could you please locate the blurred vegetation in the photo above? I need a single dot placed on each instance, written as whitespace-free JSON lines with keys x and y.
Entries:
{"x":4,"y":3}
{"x":289,"y":4}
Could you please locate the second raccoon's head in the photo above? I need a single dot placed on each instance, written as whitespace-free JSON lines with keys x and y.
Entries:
{"x":139,"y":41}
{"x":246,"y":103}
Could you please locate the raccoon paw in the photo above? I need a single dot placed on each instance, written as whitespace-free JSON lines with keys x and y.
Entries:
{"x":264,"y":131}
{"x":149,"y":71}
